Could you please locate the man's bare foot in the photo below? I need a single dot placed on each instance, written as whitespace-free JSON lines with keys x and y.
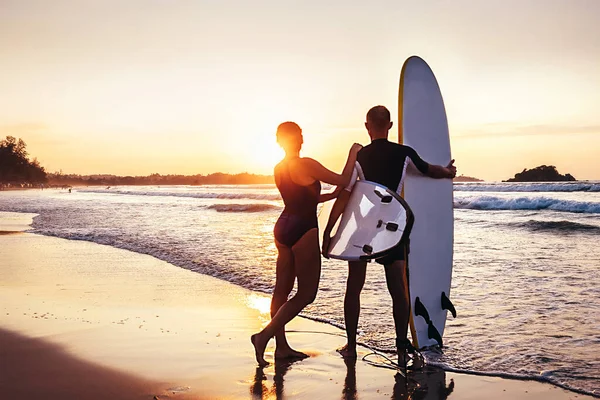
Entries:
{"x":287,"y":353}
{"x":347,"y":352}
{"x":410,"y":361}
{"x":259,"y":349}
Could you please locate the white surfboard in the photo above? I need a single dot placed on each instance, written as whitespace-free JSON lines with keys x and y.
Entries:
{"x":424,"y":127}
{"x":373,"y":223}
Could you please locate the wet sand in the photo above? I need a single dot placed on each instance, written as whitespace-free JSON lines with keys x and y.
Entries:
{"x":81,"y":320}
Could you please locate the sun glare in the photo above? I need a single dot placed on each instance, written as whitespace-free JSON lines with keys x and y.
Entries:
{"x":260,"y":303}
{"x":258,"y":151}
{"x":266,"y":155}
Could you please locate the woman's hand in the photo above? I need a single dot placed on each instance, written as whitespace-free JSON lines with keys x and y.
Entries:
{"x":356,"y":147}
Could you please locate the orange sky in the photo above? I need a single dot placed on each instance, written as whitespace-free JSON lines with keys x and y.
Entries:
{"x":189,"y":87}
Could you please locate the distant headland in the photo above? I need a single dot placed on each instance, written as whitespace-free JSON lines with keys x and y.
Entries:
{"x":543,"y":173}
{"x":464,"y":178}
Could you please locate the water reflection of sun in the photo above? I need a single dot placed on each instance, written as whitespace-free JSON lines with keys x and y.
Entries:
{"x":260,"y":303}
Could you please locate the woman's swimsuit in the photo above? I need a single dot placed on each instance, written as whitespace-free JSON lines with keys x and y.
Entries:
{"x":300,"y":212}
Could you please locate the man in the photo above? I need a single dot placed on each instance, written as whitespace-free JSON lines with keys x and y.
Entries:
{"x":383,"y":162}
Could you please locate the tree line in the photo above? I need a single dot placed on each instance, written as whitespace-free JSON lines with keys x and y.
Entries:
{"x":16,"y":170}
{"x":15,"y":167}
{"x":60,"y":179}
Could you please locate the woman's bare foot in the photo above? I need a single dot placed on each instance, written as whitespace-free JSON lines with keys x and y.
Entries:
{"x":347,"y":352}
{"x":287,"y":353}
{"x":259,"y":349}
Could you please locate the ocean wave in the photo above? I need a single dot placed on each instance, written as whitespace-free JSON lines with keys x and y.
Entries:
{"x":557,"y":226}
{"x":527,"y":203}
{"x":528,"y":187}
{"x":243,"y":207}
{"x":196,"y":195}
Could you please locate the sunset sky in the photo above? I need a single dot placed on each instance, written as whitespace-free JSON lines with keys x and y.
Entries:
{"x":142,"y":86}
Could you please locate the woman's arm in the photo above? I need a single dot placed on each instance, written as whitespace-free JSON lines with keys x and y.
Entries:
{"x":336,"y":211}
{"x":318,"y":172}
{"x":330,"y":196}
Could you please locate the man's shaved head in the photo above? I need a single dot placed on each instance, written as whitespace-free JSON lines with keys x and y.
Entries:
{"x":379,"y":118}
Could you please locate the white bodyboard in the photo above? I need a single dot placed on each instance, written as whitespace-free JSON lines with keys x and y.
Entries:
{"x":371,"y":225}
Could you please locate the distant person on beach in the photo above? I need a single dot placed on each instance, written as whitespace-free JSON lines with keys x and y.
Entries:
{"x":296,"y":236}
{"x":383,"y":162}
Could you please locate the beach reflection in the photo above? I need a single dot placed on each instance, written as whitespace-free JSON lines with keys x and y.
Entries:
{"x":260,"y":303}
{"x":427,"y":384}
{"x":259,"y":390}
{"x":349,"y":391}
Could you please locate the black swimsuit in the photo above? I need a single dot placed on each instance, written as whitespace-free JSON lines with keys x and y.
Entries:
{"x":300,"y":212}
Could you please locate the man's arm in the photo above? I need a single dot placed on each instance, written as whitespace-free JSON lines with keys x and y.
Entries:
{"x":440,"y":172}
{"x":336,"y":211}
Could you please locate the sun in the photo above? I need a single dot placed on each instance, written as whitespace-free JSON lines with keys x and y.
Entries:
{"x":257,"y":151}
{"x":266,"y":153}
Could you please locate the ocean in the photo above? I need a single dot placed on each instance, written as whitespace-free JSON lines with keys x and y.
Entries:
{"x":526,"y":277}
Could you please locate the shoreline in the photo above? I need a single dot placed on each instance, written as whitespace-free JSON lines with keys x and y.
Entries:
{"x":164,"y":331}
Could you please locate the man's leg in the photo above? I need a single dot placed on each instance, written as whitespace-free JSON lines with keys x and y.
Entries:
{"x":357,"y":271}
{"x":397,"y":283}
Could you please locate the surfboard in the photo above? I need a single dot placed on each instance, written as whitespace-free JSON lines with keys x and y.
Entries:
{"x":375,"y":221}
{"x":423,"y":125}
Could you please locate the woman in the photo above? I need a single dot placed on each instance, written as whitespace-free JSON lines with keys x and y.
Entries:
{"x":296,"y":236}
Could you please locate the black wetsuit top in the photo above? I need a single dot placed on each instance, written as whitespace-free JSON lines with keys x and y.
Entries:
{"x":384,"y":162}
{"x":300,"y":212}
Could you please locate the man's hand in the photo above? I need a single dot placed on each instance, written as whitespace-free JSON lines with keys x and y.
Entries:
{"x":451,"y":169}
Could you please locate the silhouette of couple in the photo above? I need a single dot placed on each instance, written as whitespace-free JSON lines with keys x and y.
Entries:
{"x":296,"y":232}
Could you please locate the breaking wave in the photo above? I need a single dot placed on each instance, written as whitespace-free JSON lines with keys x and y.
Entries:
{"x":527,"y":203}
{"x":528,"y":187}
{"x":196,"y":195}
{"x":243,"y":207}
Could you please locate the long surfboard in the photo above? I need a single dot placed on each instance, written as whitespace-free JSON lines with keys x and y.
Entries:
{"x":423,"y":125}
{"x":375,"y":221}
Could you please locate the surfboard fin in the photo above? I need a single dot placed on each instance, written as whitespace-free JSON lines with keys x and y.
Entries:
{"x":447,"y":305}
{"x":432,"y":332}
{"x":421,"y":311}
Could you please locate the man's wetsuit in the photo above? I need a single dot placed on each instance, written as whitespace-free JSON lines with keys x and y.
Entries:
{"x":385,"y":162}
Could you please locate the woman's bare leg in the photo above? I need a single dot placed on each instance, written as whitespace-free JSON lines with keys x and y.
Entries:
{"x":284,"y":283}
{"x":307,"y":264}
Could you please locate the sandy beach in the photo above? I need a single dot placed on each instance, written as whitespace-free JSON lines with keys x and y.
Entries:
{"x":82,"y":320}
